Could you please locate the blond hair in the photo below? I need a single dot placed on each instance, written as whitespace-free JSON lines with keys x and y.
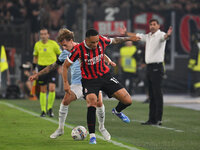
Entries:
{"x":65,"y":34}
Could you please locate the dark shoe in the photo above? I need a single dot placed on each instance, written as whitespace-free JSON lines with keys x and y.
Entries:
{"x":50,"y":113}
{"x":147,"y":100}
{"x":159,"y":123}
{"x":43,"y":114}
{"x":148,"y":123}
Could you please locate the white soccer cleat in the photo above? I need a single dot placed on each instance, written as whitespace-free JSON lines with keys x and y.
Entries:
{"x":57,"y":133}
{"x":105,"y":134}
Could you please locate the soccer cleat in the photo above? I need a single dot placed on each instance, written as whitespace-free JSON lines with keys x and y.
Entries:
{"x":50,"y":113}
{"x":121,"y":115}
{"x":93,"y":140}
{"x":43,"y":114}
{"x":148,"y":123}
{"x":57,"y":133}
{"x":105,"y":134}
{"x":159,"y":123}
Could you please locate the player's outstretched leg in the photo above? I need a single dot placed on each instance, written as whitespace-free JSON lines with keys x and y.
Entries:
{"x":101,"y":119}
{"x":63,"y":111}
{"x":124,"y":101}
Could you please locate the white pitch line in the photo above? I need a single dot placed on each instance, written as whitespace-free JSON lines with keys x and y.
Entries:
{"x":162,"y":127}
{"x":68,"y":126}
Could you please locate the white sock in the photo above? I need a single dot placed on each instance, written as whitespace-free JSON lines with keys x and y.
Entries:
{"x":92,"y":135}
{"x":101,"y":116}
{"x":63,"y":111}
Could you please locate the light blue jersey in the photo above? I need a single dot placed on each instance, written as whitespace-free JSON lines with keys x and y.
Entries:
{"x":75,"y":68}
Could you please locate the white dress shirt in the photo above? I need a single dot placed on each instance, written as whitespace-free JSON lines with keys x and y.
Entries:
{"x":155,"y":46}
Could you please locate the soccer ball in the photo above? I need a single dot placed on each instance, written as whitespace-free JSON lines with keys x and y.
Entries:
{"x":79,"y":133}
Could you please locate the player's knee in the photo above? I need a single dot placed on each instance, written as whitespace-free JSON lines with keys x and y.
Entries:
{"x":66,"y":102}
{"x":99,"y":103}
{"x":52,"y":90}
{"x":52,"y":87}
{"x":91,"y":100}
{"x":129,"y":103}
{"x":127,"y":99}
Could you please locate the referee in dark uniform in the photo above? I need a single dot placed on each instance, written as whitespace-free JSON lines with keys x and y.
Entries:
{"x":155,"y":42}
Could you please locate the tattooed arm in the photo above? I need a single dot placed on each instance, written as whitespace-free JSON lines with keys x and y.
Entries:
{"x":44,"y":71}
{"x":118,"y":40}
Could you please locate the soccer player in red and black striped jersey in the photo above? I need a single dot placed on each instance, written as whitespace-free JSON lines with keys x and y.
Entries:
{"x":96,"y":76}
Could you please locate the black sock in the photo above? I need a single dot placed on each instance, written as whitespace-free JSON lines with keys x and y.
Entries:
{"x":121,"y":107}
{"x":91,"y":119}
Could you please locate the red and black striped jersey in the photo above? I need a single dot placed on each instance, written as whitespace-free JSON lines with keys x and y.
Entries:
{"x":92,"y":60}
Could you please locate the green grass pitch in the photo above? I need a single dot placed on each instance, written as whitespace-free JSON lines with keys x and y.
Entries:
{"x":22,"y":128}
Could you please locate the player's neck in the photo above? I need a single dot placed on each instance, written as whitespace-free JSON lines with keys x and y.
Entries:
{"x":74,"y":44}
{"x":44,"y":41}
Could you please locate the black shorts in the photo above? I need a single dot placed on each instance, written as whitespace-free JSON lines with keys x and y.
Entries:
{"x":107,"y":83}
{"x":47,"y":78}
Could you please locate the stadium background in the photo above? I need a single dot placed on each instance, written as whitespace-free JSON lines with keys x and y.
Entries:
{"x":20,"y":22}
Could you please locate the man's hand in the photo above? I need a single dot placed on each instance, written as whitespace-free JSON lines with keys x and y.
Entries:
{"x":113,"y":64}
{"x":169,"y":32}
{"x":67,"y":88}
{"x":33,"y":77}
{"x":135,"y":38}
{"x":122,"y":30}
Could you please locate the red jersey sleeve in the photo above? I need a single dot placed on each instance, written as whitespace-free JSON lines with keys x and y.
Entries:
{"x":106,"y":40}
{"x":74,"y":55}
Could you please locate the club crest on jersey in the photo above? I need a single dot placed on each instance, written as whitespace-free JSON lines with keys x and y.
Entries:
{"x":100,"y":48}
{"x":45,"y":49}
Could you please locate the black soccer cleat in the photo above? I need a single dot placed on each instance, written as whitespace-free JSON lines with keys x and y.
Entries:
{"x":50,"y":113}
{"x":43,"y":114}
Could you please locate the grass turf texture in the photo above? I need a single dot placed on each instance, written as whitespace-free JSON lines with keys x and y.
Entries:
{"x":19,"y":130}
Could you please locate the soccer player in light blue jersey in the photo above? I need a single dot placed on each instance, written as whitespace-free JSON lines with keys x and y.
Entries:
{"x":76,"y":86}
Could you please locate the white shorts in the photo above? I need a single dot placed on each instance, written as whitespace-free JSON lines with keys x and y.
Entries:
{"x":77,"y":89}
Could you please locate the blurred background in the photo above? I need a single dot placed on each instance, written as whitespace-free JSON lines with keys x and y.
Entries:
{"x":21,"y":20}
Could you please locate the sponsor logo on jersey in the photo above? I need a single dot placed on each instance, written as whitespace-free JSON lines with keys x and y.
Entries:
{"x":94,"y":60}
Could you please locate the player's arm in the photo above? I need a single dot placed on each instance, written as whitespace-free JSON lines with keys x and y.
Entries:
{"x":109,"y":61}
{"x":118,"y":40}
{"x":65,"y":68}
{"x":44,"y":71}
